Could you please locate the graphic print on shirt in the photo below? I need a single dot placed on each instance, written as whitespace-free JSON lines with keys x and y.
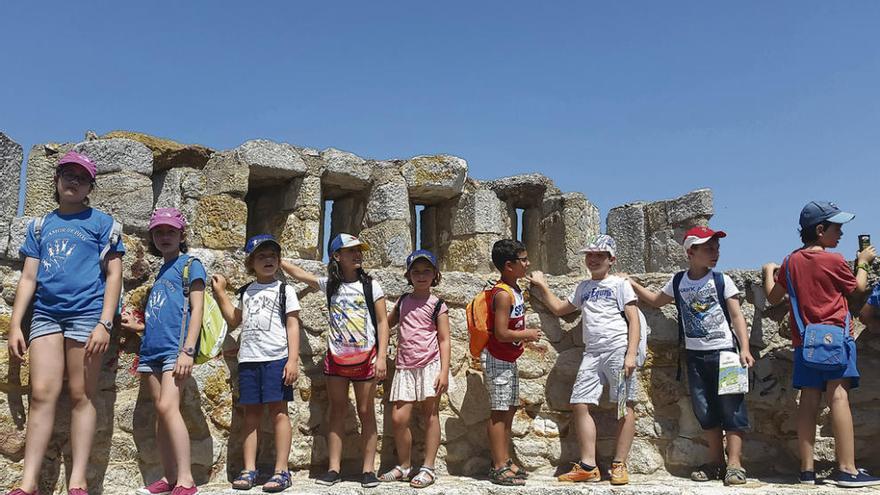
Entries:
{"x":597,"y":293}
{"x":518,"y":311}
{"x":58,"y":251}
{"x":262,"y":302}
{"x":701,"y":312}
{"x":348,"y":320}
{"x":158,"y":297}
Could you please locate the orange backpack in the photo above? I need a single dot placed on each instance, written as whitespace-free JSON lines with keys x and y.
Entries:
{"x":480,"y":317}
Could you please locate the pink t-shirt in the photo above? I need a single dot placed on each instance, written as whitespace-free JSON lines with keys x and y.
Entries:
{"x":417,"y":344}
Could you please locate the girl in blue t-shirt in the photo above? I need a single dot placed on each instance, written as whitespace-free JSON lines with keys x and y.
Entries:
{"x":73,"y":275}
{"x":171,"y":335}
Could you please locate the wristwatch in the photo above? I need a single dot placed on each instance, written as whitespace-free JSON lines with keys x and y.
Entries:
{"x":108,"y":324}
{"x":189,"y":351}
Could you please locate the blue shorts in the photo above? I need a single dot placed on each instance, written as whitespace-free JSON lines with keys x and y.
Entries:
{"x":158,"y":367}
{"x":76,"y":328}
{"x":806,"y":377}
{"x":712,"y":410}
{"x":263,"y":382}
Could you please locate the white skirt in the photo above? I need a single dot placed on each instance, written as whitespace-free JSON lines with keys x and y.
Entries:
{"x":415,"y":384}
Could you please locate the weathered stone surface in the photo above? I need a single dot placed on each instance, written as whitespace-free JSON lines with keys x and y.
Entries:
{"x":11,"y":156}
{"x":627,"y":225}
{"x":271,"y":161}
{"x":388,"y":201}
{"x":167,"y":153}
{"x":479,"y":212}
{"x":127,"y":196}
{"x":17,"y":233}
{"x":224,"y":173}
{"x":470,"y":253}
{"x":172,"y":187}
{"x":693,"y":205}
{"x":390,"y":243}
{"x":299,"y":237}
{"x":523,"y":190}
{"x":220,"y":222}
{"x":434,"y":178}
{"x":118,"y":155}
{"x":345,"y":170}
{"x":571,"y":219}
{"x":40,"y":188}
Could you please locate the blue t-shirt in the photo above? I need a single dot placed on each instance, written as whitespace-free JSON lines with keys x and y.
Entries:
{"x":70,"y":280}
{"x":874,"y":300}
{"x":163,"y":314}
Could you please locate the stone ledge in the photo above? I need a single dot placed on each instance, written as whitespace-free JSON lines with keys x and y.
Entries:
{"x":545,"y":485}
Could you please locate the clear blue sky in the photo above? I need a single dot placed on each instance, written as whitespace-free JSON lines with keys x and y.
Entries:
{"x":770,"y":104}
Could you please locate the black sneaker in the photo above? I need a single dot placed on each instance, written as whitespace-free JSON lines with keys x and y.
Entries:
{"x":861,"y":478}
{"x":329,"y":478}
{"x":369,"y":480}
{"x":808,"y":477}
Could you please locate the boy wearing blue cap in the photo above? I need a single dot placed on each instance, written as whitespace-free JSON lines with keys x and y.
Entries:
{"x":268,"y":355}
{"x":818,"y":283}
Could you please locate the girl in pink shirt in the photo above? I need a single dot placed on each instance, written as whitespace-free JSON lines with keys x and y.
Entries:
{"x":422,"y":366}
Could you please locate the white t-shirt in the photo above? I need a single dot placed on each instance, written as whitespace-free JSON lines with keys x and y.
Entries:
{"x":601,"y":302}
{"x":352,"y":334}
{"x":705,"y":327}
{"x":263,"y":332}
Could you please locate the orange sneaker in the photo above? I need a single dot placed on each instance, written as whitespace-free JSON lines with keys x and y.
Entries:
{"x":619,"y":474}
{"x":578,"y":473}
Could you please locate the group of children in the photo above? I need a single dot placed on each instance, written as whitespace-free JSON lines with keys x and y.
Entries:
{"x":72,"y":277}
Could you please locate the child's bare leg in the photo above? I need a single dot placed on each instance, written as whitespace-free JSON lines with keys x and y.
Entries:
{"x":169,"y":408}
{"x":337,"y":393}
{"x":46,"y":378}
{"x":807,"y":410}
{"x":400,"y":417}
{"x":626,"y":430}
{"x":82,"y":382}
{"x":837,"y":396}
{"x":253,"y":413}
{"x":734,"y":448}
{"x":283,"y":434}
{"x":715,"y":442}
{"x":499,"y":441}
{"x":365,"y":395}
{"x":585,"y":428}
{"x":431,"y":410}
{"x":153,"y":382}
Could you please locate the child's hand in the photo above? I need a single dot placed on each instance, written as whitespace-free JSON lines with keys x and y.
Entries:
{"x":291,"y":371}
{"x":629,"y":364}
{"x":16,"y":344}
{"x":184,"y":365}
{"x":98,"y":341}
{"x":381,"y":369}
{"x":218,"y":283}
{"x":534,"y":335}
{"x":537,"y":278}
{"x":770,"y":268}
{"x":130,"y":323}
{"x":866,"y":255}
{"x":746,"y":359}
{"x":441,"y":383}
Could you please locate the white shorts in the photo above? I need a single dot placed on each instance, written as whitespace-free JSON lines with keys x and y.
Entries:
{"x":598,"y":370}
{"x":415,"y":384}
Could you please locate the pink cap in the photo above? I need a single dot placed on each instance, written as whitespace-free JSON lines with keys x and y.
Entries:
{"x":79,"y":159}
{"x":167,"y":216}
{"x":700,"y":235}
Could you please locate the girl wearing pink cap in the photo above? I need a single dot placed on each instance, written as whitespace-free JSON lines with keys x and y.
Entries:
{"x":172,"y":321}
{"x":73,"y":276}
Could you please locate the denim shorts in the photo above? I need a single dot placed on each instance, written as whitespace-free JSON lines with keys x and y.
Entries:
{"x":806,"y":377}
{"x":712,"y":410}
{"x":158,"y":367}
{"x":263,"y":382}
{"x":76,"y":328}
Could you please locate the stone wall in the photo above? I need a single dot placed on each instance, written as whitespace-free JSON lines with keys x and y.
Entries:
{"x":276,"y":187}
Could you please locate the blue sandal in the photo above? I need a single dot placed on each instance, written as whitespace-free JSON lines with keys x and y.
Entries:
{"x":282,"y":482}
{"x":245,"y":480}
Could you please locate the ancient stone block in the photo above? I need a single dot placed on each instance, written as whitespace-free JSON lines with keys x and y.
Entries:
{"x":693,"y":205}
{"x":390,"y":243}
{"x":127,"y":196}
{"x":388,"y":201}
{"x":270,"y":161}
{"x":40,"y":188}
{"x":118,"y":155}
{"x":479,"y":212}
{"x":11,"y":155}
{"x":434,"y":178}
{"x":470,"y":253}
{"x":167,"y":153}
{"x":220,"y":222}
{"x":345,"y":170}
{"x":299,"y":237}
{"x":171,"y":187}
{"x":224,"y":173}
{"x":523,"y":190}
{"x":627,"y":225}
{"x":573,"y":220}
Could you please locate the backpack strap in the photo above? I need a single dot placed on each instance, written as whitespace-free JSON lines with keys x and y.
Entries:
{"x":679,"y":304}
{"x":113,"y":239}
{"x":436,"y":313}
{"x":282,"y":303}
{"x":792,"y":296}
{"x":38,"y":228}
{"x":185,"y":282}
{"x":371,"y":306}
{"x":241,"y":290}
{"x":718,"y":277}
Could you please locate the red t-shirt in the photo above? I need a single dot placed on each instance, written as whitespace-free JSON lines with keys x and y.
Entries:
{"x":510,"y":351}
{"x":822,"y":280}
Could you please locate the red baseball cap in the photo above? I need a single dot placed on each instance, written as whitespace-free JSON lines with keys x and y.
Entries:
{"x":700,"y":235}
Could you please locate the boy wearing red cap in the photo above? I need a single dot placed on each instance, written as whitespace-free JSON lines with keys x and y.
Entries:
{"x":710,"y":321}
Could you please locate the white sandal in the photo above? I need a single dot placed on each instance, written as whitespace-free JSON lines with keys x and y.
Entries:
{"x":389,"y":476}
{"x":425,"y":478}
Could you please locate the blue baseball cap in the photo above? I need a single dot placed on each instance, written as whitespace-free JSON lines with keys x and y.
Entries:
{"x":421,"y":254}
{"x":258,"y":240}
{"x":816,"y":212}
{"x":346,"y":241}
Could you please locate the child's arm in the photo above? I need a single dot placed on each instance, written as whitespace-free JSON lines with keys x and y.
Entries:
{"x":557,"y":306}
{"x":442,"y":382}
{"x":291,"y":369}
{"x":655,"y":299}
{"x":382,"y":321}
{"x":393,"y":317}
{"x":774,"y":292}
{"x":633,"y":336}
{"x":863,"y":262}
{"x":739,"y":328}
{"x":301,"y":275}
{"x":502,"y":304}
{"x":99,"y":339}
{"x":184,"y":365}
{"x":231,"y":314}
{"x":27,"y":284}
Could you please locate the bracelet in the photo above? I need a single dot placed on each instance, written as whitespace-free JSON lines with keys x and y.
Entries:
{"x":864,"y":266}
